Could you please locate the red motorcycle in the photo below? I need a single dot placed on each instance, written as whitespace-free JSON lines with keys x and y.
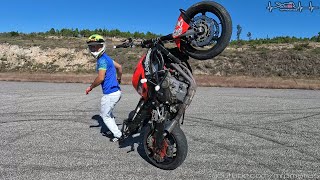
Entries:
{"x":163,"y":78}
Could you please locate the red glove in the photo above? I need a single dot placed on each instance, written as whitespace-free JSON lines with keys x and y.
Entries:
{"x":88,"y":90}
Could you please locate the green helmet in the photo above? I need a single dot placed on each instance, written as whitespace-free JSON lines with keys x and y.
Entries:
{"x":97,"y":45}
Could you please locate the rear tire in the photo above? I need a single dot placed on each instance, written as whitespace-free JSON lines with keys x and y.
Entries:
{"x":177,"y":136}
{"x":223,"y":40}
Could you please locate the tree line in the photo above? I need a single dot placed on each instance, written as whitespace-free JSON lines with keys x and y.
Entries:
{"x":140,"y":35}
{"x":86,"y":33}
{"x":275,"y":40}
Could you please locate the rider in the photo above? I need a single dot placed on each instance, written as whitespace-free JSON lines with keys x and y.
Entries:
{"x":109,"y":76}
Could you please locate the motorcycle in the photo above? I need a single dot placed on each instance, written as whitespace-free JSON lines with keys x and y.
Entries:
{"x":163,"y":78}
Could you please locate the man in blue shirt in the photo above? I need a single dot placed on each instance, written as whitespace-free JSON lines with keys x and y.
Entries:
{"x":109,"y":76}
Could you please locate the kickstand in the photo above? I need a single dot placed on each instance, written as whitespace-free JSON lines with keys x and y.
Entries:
{"x":182,"y":119}
{"x":132,"y":148}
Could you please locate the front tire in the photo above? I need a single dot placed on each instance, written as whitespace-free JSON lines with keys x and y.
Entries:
{"x":222,"y":40}
{"x":176,"y":140}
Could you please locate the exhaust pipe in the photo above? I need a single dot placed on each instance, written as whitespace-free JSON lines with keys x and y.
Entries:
{"x":187,"y":101}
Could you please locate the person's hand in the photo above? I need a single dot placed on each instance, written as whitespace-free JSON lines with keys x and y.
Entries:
{"x":119,"y":80}
{"x":88,"y":90}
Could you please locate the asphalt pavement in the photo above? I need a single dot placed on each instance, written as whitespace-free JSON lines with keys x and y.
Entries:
{"x":53,"y":131}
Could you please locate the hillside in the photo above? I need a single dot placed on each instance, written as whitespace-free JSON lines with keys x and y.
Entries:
{"x":69,"y":55}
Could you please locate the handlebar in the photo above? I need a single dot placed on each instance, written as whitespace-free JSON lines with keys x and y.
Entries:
{"x":146,"y":43}
{"x":153,"y":42}
{"x":125,"y":45}
{"x":168,"y":37}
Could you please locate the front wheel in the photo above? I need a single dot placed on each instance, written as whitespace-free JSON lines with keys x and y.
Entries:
{"x":173,"y":152}
{"x":215,"y":25}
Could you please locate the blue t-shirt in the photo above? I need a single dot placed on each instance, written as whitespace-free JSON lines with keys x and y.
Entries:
{"x":110,"y":83}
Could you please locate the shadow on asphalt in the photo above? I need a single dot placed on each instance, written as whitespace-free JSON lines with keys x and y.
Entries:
{"x":128,"y":142}
{"x":103,"y":127}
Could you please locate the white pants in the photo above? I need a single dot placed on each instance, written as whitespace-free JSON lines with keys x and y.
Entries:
{"x":108,"y":102}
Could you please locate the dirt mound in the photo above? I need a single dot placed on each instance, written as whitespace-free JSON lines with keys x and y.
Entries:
{"x":299,"y":60}
{"x":36,"y":59}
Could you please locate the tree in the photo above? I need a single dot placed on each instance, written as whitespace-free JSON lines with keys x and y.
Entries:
{"x":76,"y":33}
{"x":13,"y":33}
{"x":150,"y":35}
{"x":66,"y":32}
{"x":239,"y":30}
{"x":52,"y":31}
{"x":85,"y":33}
{"x":249,"y":35}
{"x":114,"y":33}
{"x":138,"y":35}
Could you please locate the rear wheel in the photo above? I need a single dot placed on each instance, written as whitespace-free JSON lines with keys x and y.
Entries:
{"x":173,"y":153}
{"x":215,"y":25}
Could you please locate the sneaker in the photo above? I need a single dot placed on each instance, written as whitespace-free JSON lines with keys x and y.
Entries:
{"x":115,"y":139}
{"x":107,"y":133}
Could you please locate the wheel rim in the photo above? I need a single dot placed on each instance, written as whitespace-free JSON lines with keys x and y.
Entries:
{"x":209,"y":31}
{"x":170,"y":151}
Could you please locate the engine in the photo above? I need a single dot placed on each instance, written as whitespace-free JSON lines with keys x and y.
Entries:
{"x":172,"y":90}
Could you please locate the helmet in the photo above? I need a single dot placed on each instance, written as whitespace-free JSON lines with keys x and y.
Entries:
{"x":97,"y":45}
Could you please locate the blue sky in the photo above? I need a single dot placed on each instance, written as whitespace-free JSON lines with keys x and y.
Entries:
{"x":155,"y":16}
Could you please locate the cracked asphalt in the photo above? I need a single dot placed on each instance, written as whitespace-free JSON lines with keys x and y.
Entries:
{"x":53,"y":131}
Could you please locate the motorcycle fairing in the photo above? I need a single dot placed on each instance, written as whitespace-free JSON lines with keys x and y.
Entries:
{"x":139,"y":73}
{"x":181,"y":27}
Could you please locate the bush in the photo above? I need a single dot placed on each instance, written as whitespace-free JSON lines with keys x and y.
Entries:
{"x":300,"y":47}
{"x":14,"y":34}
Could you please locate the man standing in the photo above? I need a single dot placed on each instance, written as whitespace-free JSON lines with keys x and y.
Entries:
{"x":109,"y":76}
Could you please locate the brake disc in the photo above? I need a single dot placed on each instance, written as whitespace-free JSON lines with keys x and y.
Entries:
{"x":208,"y":31}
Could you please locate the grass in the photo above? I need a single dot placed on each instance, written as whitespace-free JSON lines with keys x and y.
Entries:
{"x":300,"y":47}
{"x":201,"y":80}
{"x":45,"y":42}
{"x":258,"y":82}
{"x":316,"y":51}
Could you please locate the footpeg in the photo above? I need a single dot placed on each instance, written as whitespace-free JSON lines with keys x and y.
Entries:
{"x":136,"y":135}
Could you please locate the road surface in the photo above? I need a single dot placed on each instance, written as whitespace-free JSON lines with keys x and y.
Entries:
{"x":52,"y":131}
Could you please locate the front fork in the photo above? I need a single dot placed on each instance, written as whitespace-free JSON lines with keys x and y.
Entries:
{"x":135,"y":120}
{"x":159,"y":134}
{"x":158,"y":120}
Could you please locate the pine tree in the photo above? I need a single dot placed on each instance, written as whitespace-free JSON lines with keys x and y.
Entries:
{"x":239,"y":30}
{"x":249,"y":35}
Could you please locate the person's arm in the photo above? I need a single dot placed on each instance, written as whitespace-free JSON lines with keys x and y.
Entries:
{"x":119,"y":71}
{"x":97,"y":81}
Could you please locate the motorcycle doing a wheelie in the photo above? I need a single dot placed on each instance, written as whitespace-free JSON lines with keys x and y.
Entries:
{"x":163,"y":78}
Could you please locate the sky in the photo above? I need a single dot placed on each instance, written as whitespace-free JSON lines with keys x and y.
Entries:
{"x":158,"y":16}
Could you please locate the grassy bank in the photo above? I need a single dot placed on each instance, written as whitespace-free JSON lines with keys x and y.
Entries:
{"x":202,"y":80}
{"x":62,"y":59}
